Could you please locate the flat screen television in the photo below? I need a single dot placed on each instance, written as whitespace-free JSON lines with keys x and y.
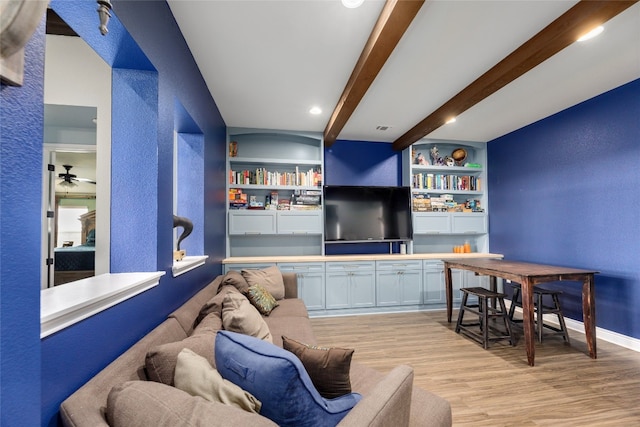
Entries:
{"x":367,"y":214}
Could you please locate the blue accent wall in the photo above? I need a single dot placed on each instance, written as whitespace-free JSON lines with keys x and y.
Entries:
{"x":566,"y":191}
{"x":21,"y":132}
{"x":152,"y":68}
{"x":191,"y":188}
{"x":361,"y":163}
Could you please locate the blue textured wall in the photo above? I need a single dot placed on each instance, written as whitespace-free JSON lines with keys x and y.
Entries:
{"x":361,"y":163}
{"x":565,"y":191}
{"x":21,"y":131}
{"x":37,"y":375}
{"x":191,"y":188}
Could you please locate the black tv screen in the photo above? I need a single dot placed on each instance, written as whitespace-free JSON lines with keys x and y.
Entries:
{"x":367,"y":214}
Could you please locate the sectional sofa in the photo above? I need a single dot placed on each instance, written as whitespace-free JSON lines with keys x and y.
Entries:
{"x":138,"y":387}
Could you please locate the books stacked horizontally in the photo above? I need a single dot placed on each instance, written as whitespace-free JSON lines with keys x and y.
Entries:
{"x":237,"y":199}
{"x":306,"y":200}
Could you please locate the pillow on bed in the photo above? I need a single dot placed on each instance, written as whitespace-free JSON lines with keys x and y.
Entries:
{"x":270,"y":278}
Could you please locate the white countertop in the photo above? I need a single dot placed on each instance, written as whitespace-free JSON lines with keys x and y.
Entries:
{"x":362,"y":257}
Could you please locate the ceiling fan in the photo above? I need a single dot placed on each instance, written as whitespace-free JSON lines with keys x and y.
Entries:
{"x":71,"y":180}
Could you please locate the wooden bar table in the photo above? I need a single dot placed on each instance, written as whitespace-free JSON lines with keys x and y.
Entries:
{"x":529,"y":275}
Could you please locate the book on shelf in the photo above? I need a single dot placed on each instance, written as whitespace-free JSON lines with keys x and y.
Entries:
{"x":284,"y":205}
{"x":430,"y":181}
{"x":261,"y":176}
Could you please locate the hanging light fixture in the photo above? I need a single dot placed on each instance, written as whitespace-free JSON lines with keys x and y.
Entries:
{"x":104,"y":9}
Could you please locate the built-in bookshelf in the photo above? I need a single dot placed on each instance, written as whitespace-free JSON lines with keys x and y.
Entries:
{"x":449,"y":195}
{"x":274,"y":193}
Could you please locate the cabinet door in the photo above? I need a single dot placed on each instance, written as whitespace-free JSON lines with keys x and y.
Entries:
{"x":388,"y":290}
{"x":398,"y":283}
{"x":310,"y":277}
{"x":431,"y":223}
{"x":337,"y":289}
{"x":473,"y":280}
{"x":411,"y":286}
{"x":363,"y":290}
{"x":299,"y":222}
{"x":252,"y":222}
{"x":433,"y":283}
{"x":468,"y":223}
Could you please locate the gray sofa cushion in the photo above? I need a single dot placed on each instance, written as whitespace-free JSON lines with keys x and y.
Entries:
{"x":160,"y":361}
{"x":149,"y":404}
{"x":388,"y":403}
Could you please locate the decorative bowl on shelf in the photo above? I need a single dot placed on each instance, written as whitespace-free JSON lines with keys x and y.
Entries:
{"x":459,"y":155}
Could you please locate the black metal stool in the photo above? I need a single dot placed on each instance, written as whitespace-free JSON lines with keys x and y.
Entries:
{"x":487,"y":332}
{"x":540,"y":310}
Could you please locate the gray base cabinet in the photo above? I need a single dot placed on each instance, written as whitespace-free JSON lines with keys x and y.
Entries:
{"x":311,"y":283}
{"x":398,"y":283}
{"x":342,"y":287}
{"x":350,"y":285}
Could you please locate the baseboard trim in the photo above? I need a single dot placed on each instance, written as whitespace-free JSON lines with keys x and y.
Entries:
{"x":601,"y":333}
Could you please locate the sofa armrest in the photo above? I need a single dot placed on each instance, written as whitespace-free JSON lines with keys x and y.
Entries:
{"x":388,"y":403}
{"x":290,"y":285}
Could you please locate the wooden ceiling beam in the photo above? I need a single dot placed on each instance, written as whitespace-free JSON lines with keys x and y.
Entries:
{"x":395,"y":18}
{"x":562,"y":32}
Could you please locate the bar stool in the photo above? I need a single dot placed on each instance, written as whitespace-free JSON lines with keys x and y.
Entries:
{"x":540,"y":310}
{"x":487,"y":332}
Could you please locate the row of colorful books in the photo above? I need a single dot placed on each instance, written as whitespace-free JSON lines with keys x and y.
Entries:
{"x":430,"y":181}
{"x":261,"y":176}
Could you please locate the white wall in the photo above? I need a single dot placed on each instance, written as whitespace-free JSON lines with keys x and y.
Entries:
{"x":76,"y":75}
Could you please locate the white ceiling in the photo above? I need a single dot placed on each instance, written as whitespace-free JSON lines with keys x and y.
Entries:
{"x":267,"y":62}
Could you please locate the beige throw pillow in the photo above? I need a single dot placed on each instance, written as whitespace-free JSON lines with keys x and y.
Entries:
{"x":270,"y":278}
{"x":160,"y":361}
{"x":238,"y":315}
{"x":196,"y":376}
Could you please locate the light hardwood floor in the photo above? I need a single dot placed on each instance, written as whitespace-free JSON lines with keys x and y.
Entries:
{"x":496,"y":387}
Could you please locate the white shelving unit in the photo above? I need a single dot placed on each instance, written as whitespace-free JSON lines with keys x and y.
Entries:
{"x":440,"y":231}
{"x":274,"y":161}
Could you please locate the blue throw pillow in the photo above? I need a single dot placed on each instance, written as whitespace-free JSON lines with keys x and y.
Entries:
{"x":278,"y":379}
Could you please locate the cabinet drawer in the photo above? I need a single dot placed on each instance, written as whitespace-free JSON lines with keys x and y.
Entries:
{"x":302,"y":267}
{"x":398,"y":265}
{"x":299,"y":222}
{"x":240,"y":267}
{"x":350,"y":266}
{"x":471,"y":223}
{"x":252,"y":222}
{"x":431,"y":223}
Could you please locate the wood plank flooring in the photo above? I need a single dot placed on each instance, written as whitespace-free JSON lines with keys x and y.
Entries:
{"x":496,"y":387}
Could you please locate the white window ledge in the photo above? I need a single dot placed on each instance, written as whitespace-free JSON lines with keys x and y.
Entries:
{"x":63,"y":306}
{"x":187,"y":263}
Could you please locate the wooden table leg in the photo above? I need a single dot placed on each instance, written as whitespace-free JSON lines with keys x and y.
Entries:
{"x":589,"y":314}
{"x":448,"y":290}
{"x":527,"y":319}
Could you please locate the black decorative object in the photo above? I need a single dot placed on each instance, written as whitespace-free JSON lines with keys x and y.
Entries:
{"x":187,"y":228}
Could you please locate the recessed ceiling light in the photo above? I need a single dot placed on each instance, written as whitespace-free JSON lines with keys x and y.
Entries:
{"x":315,"y":110}
{"x":352,"y":4}
{"x":591,"y":34}
{"x":451,"y":120}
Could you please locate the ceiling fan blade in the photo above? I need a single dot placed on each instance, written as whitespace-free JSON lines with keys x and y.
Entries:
{"x":87,"y":180}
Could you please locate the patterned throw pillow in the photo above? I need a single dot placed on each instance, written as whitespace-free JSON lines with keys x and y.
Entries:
{"x":328,"y":368}
{"x":260,"y":297}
